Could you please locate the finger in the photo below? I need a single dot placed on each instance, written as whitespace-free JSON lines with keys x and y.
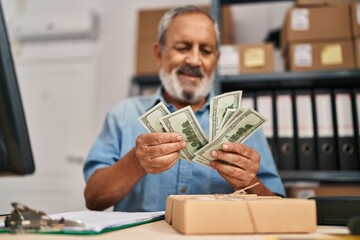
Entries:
{"x":233,"y":174}
{"x":227,"y":170}
{"x":165,"y":160}
{"x":237,"y":183}
{"x":239,"y":148}
{"x":166,"y":148}
{"x":152,"y":139}
{"x":162,"y":168}
{"x":233,"y":159}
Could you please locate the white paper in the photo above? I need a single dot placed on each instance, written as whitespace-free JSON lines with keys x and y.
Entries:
{"x":303,"y":55}
{"x":284,"y":116}
{"x":264,"y":106}
{"x":344,"y":115}
{"x":300,"y":19}
{"x":96,"y":221}
{"x":324,"y":115}
{"x":304,"y":116}
{"x":247,"y":102}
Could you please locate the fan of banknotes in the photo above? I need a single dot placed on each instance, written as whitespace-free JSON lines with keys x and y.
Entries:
{"x":228,"y":123}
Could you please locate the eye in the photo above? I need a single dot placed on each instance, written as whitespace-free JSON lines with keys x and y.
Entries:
{"x":181,"y":48}
{"x":206,"y":51}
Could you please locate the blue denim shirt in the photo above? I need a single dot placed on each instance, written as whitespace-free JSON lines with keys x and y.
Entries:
{"x":118,"y":136}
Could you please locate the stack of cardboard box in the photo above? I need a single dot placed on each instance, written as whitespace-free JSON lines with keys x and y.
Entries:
{"x":317,"y":35}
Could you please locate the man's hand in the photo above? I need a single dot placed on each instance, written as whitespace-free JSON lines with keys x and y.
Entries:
{"x":244,"y":163}
{"x":158,"y":152}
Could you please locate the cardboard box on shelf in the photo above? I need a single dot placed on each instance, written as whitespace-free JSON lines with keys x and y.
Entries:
{"x":315,"y":24}
{"x":328,"y":55}
{"x":209,"y":214}
{"x":316,"y":3}
{"x":323,"y":190}
{"x":357,"y":51}
{"x":355,"y":19}
{"x":256,"y":58}
{"x":246,"y":59}
{"x":148,"y":21}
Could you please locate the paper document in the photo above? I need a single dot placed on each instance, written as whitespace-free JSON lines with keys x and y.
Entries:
{"x":96,"y":221}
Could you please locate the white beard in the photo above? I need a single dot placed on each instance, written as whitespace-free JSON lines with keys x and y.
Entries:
{"x":186,"y":92}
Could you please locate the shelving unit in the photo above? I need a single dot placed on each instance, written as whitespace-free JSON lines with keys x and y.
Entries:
{"x":344,"y":79}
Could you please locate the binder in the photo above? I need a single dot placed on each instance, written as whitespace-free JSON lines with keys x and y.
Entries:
{"x":326,"y":148}
{"x":285,"y":145}
{"x":264,"y":105}
{"x":357,"y":121}
{"x":345,"y":131}
{"x":305,"y":147}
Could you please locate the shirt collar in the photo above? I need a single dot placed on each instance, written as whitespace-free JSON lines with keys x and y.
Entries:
{"x":159,"y":96}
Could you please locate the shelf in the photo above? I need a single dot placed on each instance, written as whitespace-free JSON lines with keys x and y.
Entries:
{"x":146,"y":80}
{"x":321,"y":176}
{"x":284,"y":80}
{"x":293,"y":80}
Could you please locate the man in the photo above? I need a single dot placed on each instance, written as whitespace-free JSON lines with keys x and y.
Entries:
{"x":135,"y":171}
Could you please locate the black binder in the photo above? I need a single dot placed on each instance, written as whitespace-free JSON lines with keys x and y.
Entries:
{"x":305,"y":146}
{"x":357,"y":120}
{"x":347,"y":149}
{"x":285,"y":142}
{"x":264,"y":105}
{"x":324,"y":129}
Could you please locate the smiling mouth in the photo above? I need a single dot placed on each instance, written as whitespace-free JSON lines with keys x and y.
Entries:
{"x":191,"y":72}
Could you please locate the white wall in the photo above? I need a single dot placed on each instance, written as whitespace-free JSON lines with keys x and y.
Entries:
{"x":115,"y":47}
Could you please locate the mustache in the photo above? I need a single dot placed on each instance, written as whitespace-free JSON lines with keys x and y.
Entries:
{"x":190,"y":70}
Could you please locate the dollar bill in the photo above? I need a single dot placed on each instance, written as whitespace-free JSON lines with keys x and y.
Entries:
{"x":218,"y":106}
{"x":201,"y":160}
{"x":229,"y":112}
{"x":184,"y":122}
{"x":238,"y":130}
{"x":236,"y":114}
{"x":150,"y":119}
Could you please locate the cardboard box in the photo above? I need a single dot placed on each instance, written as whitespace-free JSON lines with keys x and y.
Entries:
{"x":315,"y":24}
{"x":355,"y":19}
{"x":148,"y":21}
{"x":323,"y":190}
{"x":246,"y":59}
{"x":256,"y":58}
{"x":328,"y":55}
{"x":316,"y":3}
{"x":208,"y":214}
{"x":357,"y":51}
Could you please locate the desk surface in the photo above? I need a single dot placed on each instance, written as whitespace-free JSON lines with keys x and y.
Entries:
{"x":161,"y":230}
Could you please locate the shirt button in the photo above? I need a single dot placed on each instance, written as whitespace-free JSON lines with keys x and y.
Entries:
{"x":183,"y":189}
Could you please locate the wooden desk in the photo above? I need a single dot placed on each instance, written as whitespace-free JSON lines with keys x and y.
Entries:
{"x":162,"y":231}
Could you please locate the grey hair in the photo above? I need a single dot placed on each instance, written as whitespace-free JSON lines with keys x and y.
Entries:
{"x":176,"y":11}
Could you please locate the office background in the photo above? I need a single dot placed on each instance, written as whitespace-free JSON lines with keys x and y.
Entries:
{"x":69,"y":81}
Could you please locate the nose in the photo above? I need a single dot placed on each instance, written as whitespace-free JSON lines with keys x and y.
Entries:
{"x":193,"y":58}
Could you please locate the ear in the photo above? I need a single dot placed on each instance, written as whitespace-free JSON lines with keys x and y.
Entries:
{"x":218,"y":56}
{"x":157,"y":53}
